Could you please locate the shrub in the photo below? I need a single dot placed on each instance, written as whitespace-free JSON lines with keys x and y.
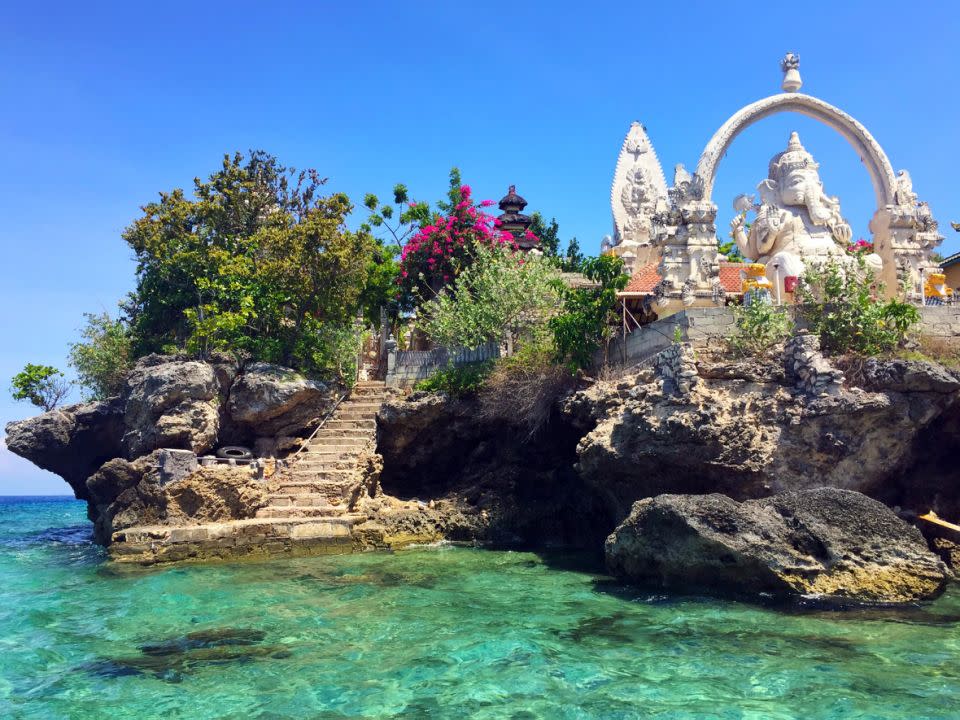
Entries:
{"x":840,"y":303}
{"x":522,"y":388}
{"x":103,"y":358}
{"x":759,"y":326}
{"x":587,"y":317}
{"x":457,"y":380}
{"x":42,"y":385}
{"x":501,"y":292}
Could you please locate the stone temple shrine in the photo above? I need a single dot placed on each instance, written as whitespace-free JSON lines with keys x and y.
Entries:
{"x":667,"y":235}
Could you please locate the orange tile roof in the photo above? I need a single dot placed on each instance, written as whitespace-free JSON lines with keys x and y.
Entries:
{"x":646,"y":278}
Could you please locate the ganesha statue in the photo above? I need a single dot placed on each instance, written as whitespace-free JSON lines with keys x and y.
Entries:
{"x":796,"y":221}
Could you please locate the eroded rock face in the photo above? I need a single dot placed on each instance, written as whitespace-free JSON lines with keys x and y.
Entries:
{"x":71,"y":442}
{"x":746,"y":432}
{"x":823,"y":542}
{"x":107,"y":451}
{"x":171,"y":404}
{"x":270,"y":400}
{"x":126,"y":493}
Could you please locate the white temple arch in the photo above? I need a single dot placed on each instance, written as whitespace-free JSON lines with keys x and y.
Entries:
{"x":874,"y":158}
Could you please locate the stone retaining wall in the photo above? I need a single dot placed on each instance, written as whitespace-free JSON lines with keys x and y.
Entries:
{"x":943,"y":321}
{"x":696,"y":325}
{"x":407,"y":367}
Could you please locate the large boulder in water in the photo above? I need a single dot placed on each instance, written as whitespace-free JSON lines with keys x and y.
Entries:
{"x":826,"y":542}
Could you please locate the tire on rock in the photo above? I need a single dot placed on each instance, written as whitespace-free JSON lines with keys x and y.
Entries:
{"x":234,"y":452}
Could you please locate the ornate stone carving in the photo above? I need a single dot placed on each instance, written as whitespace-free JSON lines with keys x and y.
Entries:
{"x":796,"y":220}
{"x":639,"y":191}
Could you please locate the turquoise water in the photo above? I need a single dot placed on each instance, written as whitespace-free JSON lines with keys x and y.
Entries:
{"x":432,"y":633}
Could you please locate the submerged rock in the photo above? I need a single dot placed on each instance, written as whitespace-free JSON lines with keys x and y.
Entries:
{"x":824,"y":542}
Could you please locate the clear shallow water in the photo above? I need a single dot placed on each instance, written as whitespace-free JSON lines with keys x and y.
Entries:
{"x":432,"y":633}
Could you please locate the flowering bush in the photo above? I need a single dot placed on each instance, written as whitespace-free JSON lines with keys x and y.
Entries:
{"x":860,"y":247}
{"x":441,"y":249}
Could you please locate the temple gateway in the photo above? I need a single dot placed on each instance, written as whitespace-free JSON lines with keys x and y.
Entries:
{"x":667,"y":236}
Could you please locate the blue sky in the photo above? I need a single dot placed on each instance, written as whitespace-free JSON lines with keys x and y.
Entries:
{"x":106,"y":104}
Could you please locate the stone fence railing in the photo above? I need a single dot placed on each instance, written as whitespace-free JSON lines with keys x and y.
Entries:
{"x":406,"y":367}
{"x":943,"y":321}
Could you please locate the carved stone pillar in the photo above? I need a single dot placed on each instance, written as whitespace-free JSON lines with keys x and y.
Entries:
{"x":904,"y":236}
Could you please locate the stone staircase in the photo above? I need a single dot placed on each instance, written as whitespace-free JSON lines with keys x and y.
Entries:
{"x":323,"y":480}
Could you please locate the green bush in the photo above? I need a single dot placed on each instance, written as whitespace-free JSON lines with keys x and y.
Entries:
{"x":522,"y":388}
{"x":103,"y":358}
{"x":759,"y":326}
{"x":840,"y":303}
{"x":457,"y":380}
{"x":42,"y":385}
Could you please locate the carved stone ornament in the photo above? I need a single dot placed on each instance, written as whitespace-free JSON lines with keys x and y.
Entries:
{"x":638,"y":187}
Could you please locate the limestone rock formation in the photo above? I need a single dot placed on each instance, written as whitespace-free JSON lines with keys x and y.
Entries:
{"x":126,"y":493}
{"x":275,"y":401}
{"x":71,"y":442}
{"x":109,"y":451}
{"x":170,"y":403}
{"x":745,"y":431}
{"x":824,"y":542}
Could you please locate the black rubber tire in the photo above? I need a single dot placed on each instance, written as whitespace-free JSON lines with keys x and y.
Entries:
{"x":234,"y":452}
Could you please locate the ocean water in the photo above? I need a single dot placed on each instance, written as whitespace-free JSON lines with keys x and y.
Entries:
{"x":438,"y":632}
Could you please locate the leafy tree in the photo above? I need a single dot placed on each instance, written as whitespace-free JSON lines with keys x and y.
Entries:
{"x":500,"y":292}
{"x":731,"y":251}
{"x":759,"y":326}
{"x":840,"y":302}
{"x":258,"y":261}
{"x":588,"y":315}
{"x":43,"y":385}
{"x":103,"y":357}
{"x":574,"y":259}
{"x":549,"y":234}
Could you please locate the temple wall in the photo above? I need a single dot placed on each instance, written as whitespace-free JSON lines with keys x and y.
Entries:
{"x":697,"y":326}
{"x":940,"y":321}
{"x":407,"y":367}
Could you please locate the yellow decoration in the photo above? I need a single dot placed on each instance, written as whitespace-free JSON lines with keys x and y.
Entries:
{"x":755,"y":278}
{"x":936,"y":287}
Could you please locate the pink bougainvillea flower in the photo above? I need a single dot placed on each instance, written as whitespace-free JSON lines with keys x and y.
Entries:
{"x":486,"y":203}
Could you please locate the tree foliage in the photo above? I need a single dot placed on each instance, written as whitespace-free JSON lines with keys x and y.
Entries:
{"x":103,"y":357}
{"x":759,"y":327}
{"x":840,"y":302}
{"x":42,"y":385}
{"x":499,"y":292}
{"x":588,"y":315}
{"x":549,"y":234}
{"x":258,"y":261}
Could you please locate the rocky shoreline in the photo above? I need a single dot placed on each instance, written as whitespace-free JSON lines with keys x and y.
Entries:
{"x":726,"y":454}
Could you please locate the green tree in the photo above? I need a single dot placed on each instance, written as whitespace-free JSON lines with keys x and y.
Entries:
{"x":42,"y":385}
{"x":549,"y":234}
{"x":588,"y":315}
{"x":573,"y":260}
{"x":500,"y":293}
{"x":257,"y":261}
{"x":103,"y":358}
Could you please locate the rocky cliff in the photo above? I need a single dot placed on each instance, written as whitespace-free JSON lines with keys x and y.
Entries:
{"x":107,"y":451}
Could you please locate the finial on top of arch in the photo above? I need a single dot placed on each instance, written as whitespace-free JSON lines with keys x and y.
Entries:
{"x":791,"y":72}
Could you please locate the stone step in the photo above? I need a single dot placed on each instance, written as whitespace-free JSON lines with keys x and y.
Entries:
{"x":273,"y":511}
{"x":314,"y":499}
{"x":360,"y":404}
{"x":369,"y":415}
{"x":321,"y":487}
{"x":330,"y":432}
{"x":322,"y":440}
{"x":307,"y":467}
{"x":351,"y":424}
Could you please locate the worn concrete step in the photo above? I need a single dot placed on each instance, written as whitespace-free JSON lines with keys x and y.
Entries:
{"x":315,"y":466}
{"x":360,"y":404}
{"x":314,"y":499}
{"x":350,"y":424}
{"x":356,"y":415}
{"x":346,"y":432}
{"x":320,"y":487}
{"x":322,"y":440}
{"x":273,"y":511}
